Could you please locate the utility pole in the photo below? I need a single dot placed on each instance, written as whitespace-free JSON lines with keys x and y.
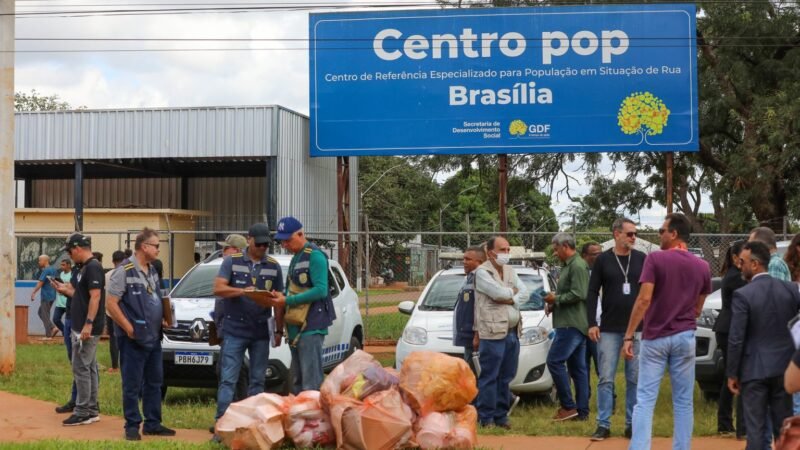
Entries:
{"x":670,"y":166}
{"x":502,"y":187}
{"x":8,"y":254}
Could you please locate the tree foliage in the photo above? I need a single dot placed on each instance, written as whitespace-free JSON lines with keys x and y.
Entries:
{"x":38,"y":102}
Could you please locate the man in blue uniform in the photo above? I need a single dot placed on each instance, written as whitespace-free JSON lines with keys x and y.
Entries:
{"x":464,"y":316}
{"x":247,"y":315}
{"x":309,"y":307}
{"x":134,"y":304}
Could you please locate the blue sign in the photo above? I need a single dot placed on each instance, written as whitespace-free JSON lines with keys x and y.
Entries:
{"x":505,"y":80}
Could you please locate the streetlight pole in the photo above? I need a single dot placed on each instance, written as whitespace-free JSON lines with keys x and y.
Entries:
{"x":441,"y":210}
{"x":365,"y":266}
{"x":533,"y":241}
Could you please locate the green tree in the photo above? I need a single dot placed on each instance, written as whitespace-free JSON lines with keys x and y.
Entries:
{"x":38,"y":102}
{"x":607,"y":200}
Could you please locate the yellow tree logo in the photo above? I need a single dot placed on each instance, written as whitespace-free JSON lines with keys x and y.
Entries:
{"x":643,"y":113}
{"x":518,"y":128}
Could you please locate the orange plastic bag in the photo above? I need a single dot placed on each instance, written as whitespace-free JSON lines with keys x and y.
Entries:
{"x":345,"y":375}
{"x":381,"y":422}
{"x":452,"y":429}
{"x":253,"y":423}
{"x":435,"y":382}
{"x":305,"y":423}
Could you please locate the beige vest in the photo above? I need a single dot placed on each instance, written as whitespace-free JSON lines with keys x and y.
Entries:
{"x":492,"y":319}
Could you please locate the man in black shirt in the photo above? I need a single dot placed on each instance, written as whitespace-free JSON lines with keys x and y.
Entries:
{"x":616,"y":274}
{"x":86,"y":314}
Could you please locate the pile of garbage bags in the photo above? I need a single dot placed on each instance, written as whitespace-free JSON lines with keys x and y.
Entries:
{"x":364,"y":406}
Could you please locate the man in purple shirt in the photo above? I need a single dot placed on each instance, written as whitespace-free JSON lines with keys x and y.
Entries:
{"x":674,"y":286}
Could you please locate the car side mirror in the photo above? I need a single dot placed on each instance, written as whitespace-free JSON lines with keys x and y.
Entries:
{"x":406,"y":307}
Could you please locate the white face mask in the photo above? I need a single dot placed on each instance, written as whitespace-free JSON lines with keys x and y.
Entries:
{"x":503,"y":258}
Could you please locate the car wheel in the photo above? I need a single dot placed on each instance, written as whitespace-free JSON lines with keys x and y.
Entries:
{"x":354,"y":345}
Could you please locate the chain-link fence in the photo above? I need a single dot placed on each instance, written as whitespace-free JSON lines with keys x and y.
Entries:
{"x":384,"y":268}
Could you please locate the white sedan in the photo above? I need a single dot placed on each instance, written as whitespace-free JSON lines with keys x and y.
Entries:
{"x":431,"y":326}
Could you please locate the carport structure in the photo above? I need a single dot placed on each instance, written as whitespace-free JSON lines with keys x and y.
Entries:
{"x":242,"y":164}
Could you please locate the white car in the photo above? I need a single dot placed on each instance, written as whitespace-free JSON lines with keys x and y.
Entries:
{"x":190,"y":361}
{"x":431,"y":326}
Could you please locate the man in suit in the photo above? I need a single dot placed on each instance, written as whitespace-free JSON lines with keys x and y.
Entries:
{"x":760,"y":345}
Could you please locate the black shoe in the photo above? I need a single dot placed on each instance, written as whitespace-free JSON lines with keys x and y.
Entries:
{"x":628,"y":431}
{"x":160,"y":431}
{"x":65,"y":408}
{"x":582,"y":418}
{"x":211,"y":430}
{"x":505,"y":426}
{"x":75,"y":420}
{"x":132,"y":434}
{"x":601,"y":433}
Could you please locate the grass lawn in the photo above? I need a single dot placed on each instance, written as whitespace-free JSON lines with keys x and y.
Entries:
{"x":43,"y":373}
{"x":379,"y":292}
{"x":385,"y":326}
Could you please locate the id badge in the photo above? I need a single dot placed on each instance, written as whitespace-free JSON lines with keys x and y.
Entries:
{"x":626,"y":289}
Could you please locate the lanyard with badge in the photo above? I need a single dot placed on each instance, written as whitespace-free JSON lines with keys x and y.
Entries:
{"x":626,"y":286}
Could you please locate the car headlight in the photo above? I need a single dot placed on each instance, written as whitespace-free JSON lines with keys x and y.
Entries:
{"x":533,"y":335}
{"x":708,"y":317}
{"x":415,"y":335}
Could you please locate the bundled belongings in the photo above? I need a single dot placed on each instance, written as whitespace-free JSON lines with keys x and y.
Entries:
{"x":306,"y":424}
{"x":366,"y":410}
{"x":253,"y":423}
{"x":452,"y":429}
{"x":435,"y":382}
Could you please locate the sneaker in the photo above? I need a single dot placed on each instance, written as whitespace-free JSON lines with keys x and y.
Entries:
{"x":600,"y":434}
{"x":65,"y":408}
{"x":565,"y":414}
{"x":95,"y":418}
{"x":160,"y":431}
{"x":514,"y":402}
{"x":132,"y":434}
{"x":628,"y":431}
{"x":75,"y":420}
{"x":581,"y":418}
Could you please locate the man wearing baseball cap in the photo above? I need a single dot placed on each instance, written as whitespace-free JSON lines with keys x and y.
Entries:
{"x":307,"y":290}
{"x":87,"y":315}
{"x":246,"y":321}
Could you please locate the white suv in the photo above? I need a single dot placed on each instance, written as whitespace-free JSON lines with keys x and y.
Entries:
{"x":191,"y":362}
{"x":431,"y":326}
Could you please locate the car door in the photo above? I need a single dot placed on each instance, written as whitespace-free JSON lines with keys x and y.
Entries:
{"x":335,"y":345}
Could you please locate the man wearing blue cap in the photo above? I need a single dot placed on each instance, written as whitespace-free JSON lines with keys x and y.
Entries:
{"x":309,"y":307}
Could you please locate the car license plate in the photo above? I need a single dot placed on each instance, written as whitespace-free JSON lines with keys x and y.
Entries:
{"x":194,"y":358}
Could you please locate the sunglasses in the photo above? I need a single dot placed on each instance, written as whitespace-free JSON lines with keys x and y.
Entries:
{"x":263,"y":245}
{"x":152,"y":245}
{"x":631,"y":234}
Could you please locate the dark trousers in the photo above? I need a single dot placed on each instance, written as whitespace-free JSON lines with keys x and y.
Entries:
{"x":112,"y":344}
{"x":142,"y":376}
{"x":68,"y":345}
{"x":725,"y":403}
{"x":58,"y":314}
{"x":759,"y":395}
{"x":499,"y":359}
{"x":567,"y":359}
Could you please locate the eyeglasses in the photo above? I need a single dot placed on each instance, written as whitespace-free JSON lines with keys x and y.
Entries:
{"x":152,"y":245}
{"x":263,"y":245}
{"x":631,"y":234}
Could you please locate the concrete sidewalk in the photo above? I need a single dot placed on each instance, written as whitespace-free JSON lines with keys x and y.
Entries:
{"x":23,"y":419}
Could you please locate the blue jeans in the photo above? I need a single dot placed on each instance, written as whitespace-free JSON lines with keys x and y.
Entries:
{"x":677,"y":352}
{"x":58,"y":313}
{"x":796,"y":403}
{"x":142,"y":373}
{"x":306,"y":364}
{"x":68,"y":345}
{"x":608,"y":349}
{"x":567,"y":358}
{"x":499,"y":359}
{"x":232,"y":357}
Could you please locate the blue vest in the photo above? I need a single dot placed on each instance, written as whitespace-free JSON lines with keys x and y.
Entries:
{"x":245,"y":318}
{"x":465,"y":313}
{"x":141,"y":304}
{"x":321,"y":313}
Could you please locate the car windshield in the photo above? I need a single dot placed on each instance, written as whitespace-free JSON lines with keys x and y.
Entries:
{"x":199,"y":283}
{"x":443,"y":293}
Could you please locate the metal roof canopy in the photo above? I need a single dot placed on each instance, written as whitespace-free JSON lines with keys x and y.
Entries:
{"x":197,"y":142}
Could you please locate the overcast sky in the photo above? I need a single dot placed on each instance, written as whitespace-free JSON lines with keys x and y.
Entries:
{"x":198,"y":78}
